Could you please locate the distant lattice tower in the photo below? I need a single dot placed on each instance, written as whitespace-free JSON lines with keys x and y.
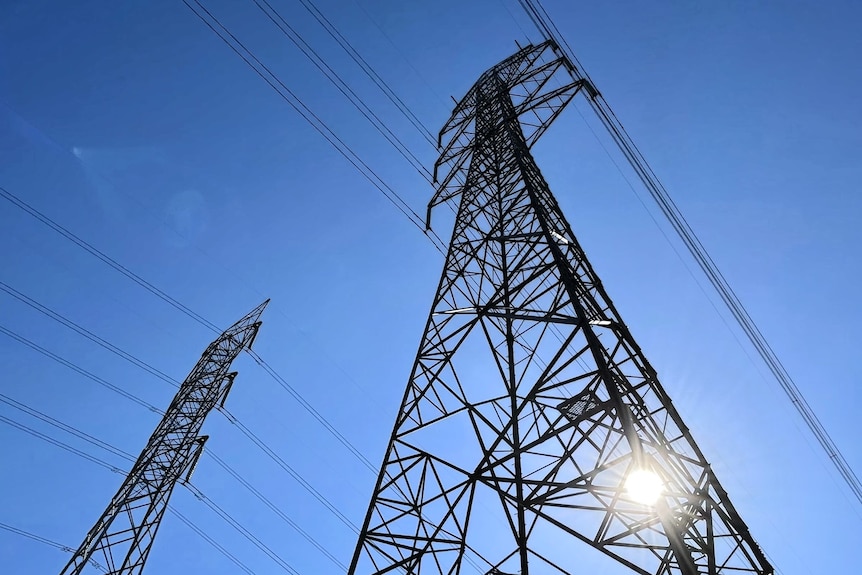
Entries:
{"x":532,"y":418}
{"x":122,"y":537}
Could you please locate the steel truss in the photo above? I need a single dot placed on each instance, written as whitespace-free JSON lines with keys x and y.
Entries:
{"x":124,"y":534}
{"x":530,"y":404}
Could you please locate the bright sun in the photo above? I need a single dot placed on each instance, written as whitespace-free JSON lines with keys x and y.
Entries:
{"x":644,"y":486}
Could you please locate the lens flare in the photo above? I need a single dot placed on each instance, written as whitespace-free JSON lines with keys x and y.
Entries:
{"x":644,"y":486}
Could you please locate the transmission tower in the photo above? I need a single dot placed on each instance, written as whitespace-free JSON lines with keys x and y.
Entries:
{"x":124,"y":534}
{"x":532,"y":418}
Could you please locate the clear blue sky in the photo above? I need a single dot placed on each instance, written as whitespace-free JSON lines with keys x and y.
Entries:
{"x":134,"y":126}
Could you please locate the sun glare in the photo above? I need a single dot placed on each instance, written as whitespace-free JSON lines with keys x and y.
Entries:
{"x":644,"y":486}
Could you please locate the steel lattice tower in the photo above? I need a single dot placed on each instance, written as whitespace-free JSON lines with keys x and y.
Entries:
{"x":124,"y":534}
{"x":531,"y":410}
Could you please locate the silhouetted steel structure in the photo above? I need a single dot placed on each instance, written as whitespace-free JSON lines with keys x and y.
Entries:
{"x":124,"y":534}
{"x":531,"y":409}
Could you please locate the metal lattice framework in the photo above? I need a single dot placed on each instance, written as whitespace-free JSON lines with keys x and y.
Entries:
{"x":530,"y":406}
{"x":124,"y":534}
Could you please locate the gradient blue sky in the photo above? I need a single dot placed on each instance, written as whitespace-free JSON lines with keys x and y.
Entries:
{"x":134,"y":126}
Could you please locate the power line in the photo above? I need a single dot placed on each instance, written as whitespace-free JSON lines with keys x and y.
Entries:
{"x":314,"y":413}
{"x":435,"y":240}
{"x":181,"y":307}
{"x":383,"y":33}
{"x":384,"y":87}
{"x":542,"y":20}
{"x":46,"y":541}
{"x":61,"y":445}
{"x":198,"y":494}
{"x":206,"y":537}
{"x":342,"y":86}
{"x":35,"y":347}
{"x":311,"y":54}
{"x":275,"y":509}
{"x":368,"y":69}
{"x":307,"y":114}
{"x":87,"y":334}
{"x":21,"y":204}
{"x":331,"y":429}
{"x":161,"y":375}
{"x":60,"y":318}
{"x":291,"y":471}
{"x":351,"y":95}
{"x":127,"y":456}
{"x":290,"y":33}
{"x":32,"y":412}
{"x":231,"y":418}
{"x":244,"y":531}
